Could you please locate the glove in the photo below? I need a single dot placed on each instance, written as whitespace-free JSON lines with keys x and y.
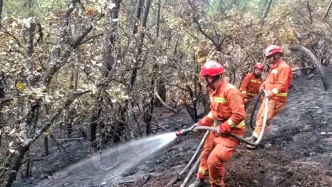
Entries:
{"x":224,"y":128}
{"x":271,"y":94}
{"x":206,"y":121}
{"x":261,"y":89}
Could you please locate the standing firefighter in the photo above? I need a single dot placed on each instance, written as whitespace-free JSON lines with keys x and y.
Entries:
{"x":227,"y":115}
{"x":276,"y":84}
{"x":251,"y":84}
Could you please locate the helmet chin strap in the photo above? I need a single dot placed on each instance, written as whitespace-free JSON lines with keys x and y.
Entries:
{"x":275,"y":59}
{"x":207,"y":81}
{"x":213,"y":79}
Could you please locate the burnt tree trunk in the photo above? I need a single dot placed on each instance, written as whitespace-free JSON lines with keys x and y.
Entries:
{"x":69,"y":124}
{"x":93,"y":127}
{"x":46,"y":145}
{"x":1,"y":5}
{"x":119,"y":126}
{"x":266,"y":12}
{"x":2,"y":96}
{"x":160,"y":82}
{"x":10,"y":166}
{"x":139,"y":9}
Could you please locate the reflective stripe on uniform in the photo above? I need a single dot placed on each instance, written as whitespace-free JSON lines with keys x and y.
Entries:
{"x":216,"y":181}
{"x":281,"y":94}
{"x":254,"y":80}
{"x":240,"y":125}
{"x":233,"y":125}
{"x":210,"y":115}
{"x":202,"y":171}
{"x":220,"y":100}
{"x":249,"y":93}
{"x":275,"y":71}
{"x":274,"y":90}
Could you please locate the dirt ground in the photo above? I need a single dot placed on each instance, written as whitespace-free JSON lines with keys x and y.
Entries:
{"x":296,"y":151}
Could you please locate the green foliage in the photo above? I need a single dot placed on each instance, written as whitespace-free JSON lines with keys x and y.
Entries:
{"x":38,"y":8}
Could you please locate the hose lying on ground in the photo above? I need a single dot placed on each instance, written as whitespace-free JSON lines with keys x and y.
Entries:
{"x":179,"y":176}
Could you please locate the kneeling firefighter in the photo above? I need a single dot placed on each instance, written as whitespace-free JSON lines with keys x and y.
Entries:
{"x":227,"y":115}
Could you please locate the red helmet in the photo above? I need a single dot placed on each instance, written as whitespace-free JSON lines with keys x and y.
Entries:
{"x":212,"y":68}
{"x":272,"y":49}
{"x":260,"y":66}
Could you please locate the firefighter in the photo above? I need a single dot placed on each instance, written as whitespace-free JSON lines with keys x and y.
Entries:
{"x":227,"y":115}
{"x":277,"y":85}
{"x":251,"y":84}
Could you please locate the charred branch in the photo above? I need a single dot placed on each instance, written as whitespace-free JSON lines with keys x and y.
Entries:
{"x":200,"y":27}
{"x":266,"y":12}
{"x":139,"y":9}
{"x":80,"y":38}
{"x":90,"y":38}
{"x":327,"y":9}
{"x":67,"y":103}
{"x":315,"y":61}
{"x":1,"y":6}
{"x":162,"y":102}
{"x":16,"y":39}
{"x":309,"y":10}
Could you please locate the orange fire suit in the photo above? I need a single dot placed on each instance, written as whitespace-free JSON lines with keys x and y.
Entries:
{"x":277,"y":85}
{"x":227,"y":110}
{"x":250,"y":87}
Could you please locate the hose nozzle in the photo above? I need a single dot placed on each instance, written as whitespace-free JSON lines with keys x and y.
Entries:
{"x":183,"y":131}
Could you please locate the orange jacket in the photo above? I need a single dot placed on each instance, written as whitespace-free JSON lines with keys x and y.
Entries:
{"x":278,"y":81}
{"x":227,"y":106}
{"x":250,"y":86}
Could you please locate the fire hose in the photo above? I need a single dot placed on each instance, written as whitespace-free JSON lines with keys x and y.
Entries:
{"x":253,"y":111}
{"x":241,"y":139}
{"x":179,"y":176}
{"x":184,"y":131}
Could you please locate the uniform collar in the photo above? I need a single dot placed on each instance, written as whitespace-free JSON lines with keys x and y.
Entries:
{"x":276,"y":64}
{"x":222,"y":84}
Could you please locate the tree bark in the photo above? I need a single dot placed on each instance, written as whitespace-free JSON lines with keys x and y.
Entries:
{"x":1,"y":6}
{"x":93,"y":127}
{"x":46,"y":145}
{"x":266,"y":12}
{"x":327,"y":9}
{"x":139,"y":8}
{"x":158,"y":18}
{"x":309,"y":10}
{"x":30,"y":46}
{"x":10,"y":166}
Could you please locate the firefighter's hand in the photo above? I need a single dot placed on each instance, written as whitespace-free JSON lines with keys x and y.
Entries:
{"x":261,"y":89}
{"x":223,"y":128}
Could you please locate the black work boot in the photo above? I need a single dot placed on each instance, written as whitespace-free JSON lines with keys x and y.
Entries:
{"x":252,"y":140}
{"x":197,"y":183}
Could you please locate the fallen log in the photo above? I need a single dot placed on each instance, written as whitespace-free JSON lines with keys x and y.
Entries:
{"x":300,"y":47}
